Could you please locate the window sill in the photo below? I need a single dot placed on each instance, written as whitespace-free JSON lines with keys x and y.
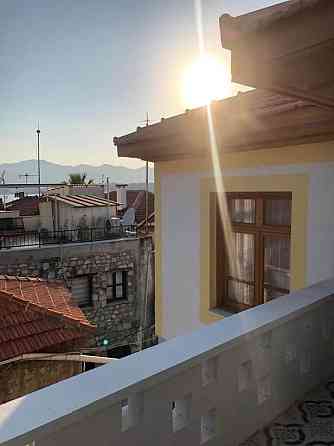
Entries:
{"x":222,"y":312}
{"x":86,"y":307}
{"x":117,"y":301}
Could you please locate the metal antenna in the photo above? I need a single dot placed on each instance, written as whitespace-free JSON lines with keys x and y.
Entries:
{"x":38,"y":161}
{"x":146,"y":184}
{"x":26,"y":176}
{"x":147,"y":122}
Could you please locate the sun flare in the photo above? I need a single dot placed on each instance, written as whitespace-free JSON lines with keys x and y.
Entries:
{"x":205,"y":80}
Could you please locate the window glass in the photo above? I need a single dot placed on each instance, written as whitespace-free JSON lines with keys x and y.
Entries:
{"x":240,"y":293}
{"x":277,"y":212}
{"x":119,"y":291}
{"x":244,"y":251}
{"x":277,"y":263}
{"x":119,"y":277}
{"x":253,"y":265}
{"x":118,"y":285}
{"x":242,"y":210}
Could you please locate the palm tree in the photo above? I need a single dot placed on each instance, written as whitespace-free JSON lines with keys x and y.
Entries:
{"x":79,"y":178}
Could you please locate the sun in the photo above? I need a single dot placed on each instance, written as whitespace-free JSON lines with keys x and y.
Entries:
{"x":205,"y":80}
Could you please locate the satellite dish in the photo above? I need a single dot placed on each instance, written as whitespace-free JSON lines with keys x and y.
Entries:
{"x":129,"y":217}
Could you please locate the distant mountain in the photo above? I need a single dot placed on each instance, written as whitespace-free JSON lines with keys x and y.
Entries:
{"x":56,"y":173}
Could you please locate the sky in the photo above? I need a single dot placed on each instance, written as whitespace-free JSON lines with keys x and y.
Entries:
{"x":90,"y":70}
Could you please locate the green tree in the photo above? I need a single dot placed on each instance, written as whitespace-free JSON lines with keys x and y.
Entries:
{"x":79,"y":178}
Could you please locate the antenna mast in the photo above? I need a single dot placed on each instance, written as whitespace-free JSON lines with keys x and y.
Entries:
{"x":146,"y":191}
{"x":38,"y":161}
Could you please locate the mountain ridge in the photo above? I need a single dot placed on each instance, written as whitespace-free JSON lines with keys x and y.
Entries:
{"x":54,"y":172}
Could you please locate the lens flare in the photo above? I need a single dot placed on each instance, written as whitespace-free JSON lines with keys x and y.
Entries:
{"x":204,"y":81}
{"x":234,"y":263}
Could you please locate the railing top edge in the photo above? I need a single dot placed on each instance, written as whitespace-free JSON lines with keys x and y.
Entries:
{"x":146,"y":368}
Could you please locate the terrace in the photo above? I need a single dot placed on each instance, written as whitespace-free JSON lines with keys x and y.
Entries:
{"x":218,"y":385}
{"x":27,"y":239}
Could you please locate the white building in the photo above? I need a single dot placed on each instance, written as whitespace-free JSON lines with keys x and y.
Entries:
{"x":62,"y":212}
{"x":256,"y":171}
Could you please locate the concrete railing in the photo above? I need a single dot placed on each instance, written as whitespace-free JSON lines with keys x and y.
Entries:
{"x":216,"y":386}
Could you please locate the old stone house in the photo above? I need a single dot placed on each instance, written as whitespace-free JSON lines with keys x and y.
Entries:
{"x":112,"y":282}
{"x":38,"y":317}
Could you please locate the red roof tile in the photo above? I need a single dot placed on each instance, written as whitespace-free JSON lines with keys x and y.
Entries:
{"x":36,"y":315}
{"x":27,"y":206}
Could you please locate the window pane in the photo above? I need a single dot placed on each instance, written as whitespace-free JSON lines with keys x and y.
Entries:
{"x":119,"y":277}
{"x":277,"y":263}
{"x":270,"y":294}
{"x":240,"y":292}
{"x":244,"y":251}
{"x":242,"y":210}
{"x":119,"y":292}
{"x":277,"y":212}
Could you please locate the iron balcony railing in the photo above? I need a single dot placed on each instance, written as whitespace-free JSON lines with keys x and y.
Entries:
{"x":80,"y":235}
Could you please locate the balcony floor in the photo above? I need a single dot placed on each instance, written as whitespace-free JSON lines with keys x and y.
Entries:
{"x":309,"y":422}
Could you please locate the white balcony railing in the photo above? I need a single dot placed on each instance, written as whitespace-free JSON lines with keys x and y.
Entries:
{"x":215,"y":386}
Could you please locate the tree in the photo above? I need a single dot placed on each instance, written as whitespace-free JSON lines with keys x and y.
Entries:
{"x":79,"y":178}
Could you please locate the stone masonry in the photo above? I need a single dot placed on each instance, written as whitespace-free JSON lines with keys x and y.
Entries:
{"x":20,"y":378}
{"x":119,"y":323}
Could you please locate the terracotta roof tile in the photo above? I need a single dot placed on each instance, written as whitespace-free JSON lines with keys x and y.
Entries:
{"x":36,"y":314}
{"x":27,"y":206}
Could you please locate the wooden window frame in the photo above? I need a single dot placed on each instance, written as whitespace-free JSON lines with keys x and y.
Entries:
{"x":114,"y":285}
{"x":260,"y":231}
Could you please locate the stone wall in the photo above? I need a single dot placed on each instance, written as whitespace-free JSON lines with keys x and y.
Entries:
{"x":118,"y":322}
{"x":19,"y":378}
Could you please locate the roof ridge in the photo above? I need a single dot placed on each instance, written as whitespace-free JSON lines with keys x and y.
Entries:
{"x":30,"y":279}
{"x":50,"y":311}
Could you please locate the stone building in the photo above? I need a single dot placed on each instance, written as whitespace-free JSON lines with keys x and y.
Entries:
{"x":111,"y":281}
{"x":39,"y":325}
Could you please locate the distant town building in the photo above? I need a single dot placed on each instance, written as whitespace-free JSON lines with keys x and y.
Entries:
{"x":11,"y":223}
{"x":132,"y":203}
{"x":61,"y":212}
{"x":28,"y":208}
{"x":96,"y":190}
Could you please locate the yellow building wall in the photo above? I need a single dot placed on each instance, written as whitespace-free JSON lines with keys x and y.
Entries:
{"x":298,"y":184}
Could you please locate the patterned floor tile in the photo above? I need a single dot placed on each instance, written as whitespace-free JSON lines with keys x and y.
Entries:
{"x":307,"y":423}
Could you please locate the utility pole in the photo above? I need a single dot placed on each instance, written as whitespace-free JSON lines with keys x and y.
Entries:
{"x":146,"y":191}
{"x":39,"y":162}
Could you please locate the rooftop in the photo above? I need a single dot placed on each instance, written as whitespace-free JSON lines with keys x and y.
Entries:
{"x":36,"y":315}
{"x":81,"y":201}
{"x":286,"y":48}
{"x":249,"y":121}
{"x":26,"y":205}
{"x":261,"y":19}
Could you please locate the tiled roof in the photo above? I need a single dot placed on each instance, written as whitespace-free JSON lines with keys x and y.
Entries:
{"x":36,"y":315}
{"x":82,"y":201}
{"x":136,"y":200}
{"x":26,"y":205}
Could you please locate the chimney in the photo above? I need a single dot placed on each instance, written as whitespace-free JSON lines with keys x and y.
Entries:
{"x":122,"y":196}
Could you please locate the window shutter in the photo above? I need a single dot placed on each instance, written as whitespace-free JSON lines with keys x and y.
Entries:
{"x":81,"y":290}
